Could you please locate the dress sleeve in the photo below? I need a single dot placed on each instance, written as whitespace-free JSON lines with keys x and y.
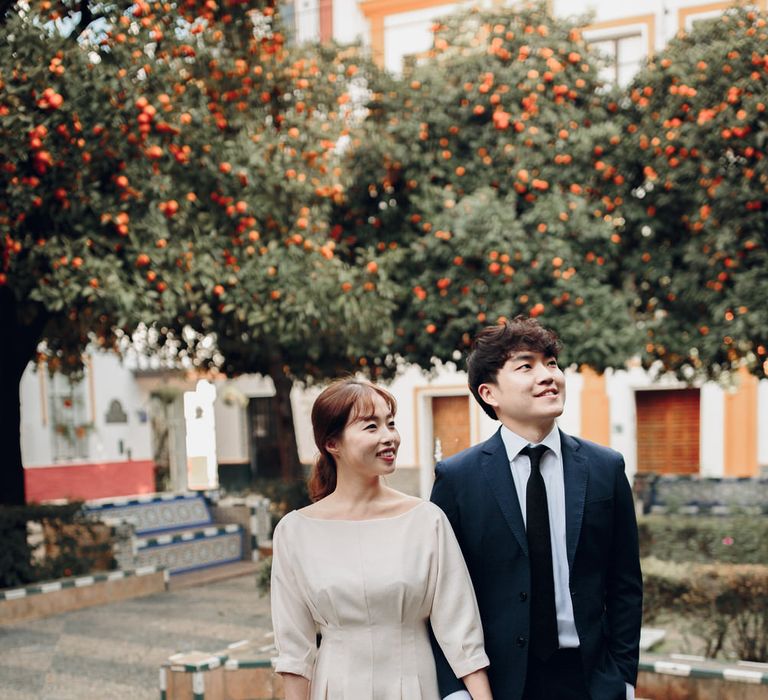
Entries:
{"x":295,"y":636}
{"x":455,"y":618}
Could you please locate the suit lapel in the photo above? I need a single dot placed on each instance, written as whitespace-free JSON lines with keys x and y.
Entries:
{"x":495,"y":467}
{"x":575,"y":474}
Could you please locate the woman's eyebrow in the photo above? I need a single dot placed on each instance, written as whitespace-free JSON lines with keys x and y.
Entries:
{"x":373,"y":417}
{"x":365,"y":418}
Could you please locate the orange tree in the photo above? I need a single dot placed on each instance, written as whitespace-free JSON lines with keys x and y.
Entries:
{"x":175,"y":165}
{"x":694,"y":157}
{"x":486,"y":179}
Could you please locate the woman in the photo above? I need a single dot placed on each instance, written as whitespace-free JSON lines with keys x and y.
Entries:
{"x":367,"y":567}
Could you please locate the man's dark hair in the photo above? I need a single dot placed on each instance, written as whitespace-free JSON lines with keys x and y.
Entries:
{"x":494,"y":345}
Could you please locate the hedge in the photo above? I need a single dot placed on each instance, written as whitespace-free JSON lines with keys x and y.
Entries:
{"x":735,"y":539}
{"x":68,"y":544}
{"x":725,"y":605}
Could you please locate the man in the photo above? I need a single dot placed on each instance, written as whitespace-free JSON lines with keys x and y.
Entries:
{"x":548,"y":533}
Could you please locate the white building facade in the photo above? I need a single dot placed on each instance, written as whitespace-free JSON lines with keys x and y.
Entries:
{"x":126,"y":432}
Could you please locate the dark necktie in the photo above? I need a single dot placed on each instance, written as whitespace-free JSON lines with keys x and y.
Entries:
{"x":543,"y":615}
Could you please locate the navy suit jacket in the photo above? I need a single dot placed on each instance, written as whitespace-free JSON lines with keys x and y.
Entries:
{"x":476,"y":490}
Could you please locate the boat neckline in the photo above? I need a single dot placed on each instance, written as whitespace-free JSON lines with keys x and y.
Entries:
{"x":362,"y":520}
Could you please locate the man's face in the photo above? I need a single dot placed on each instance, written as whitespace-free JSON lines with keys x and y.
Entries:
{"x":529,"y":391}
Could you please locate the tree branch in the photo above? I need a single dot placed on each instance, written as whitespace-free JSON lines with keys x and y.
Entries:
{"x":86,"y":17}
{"x":5,"y":10}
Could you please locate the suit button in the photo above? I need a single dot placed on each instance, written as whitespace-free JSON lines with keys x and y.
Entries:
{"x":523,"y":596}
{"x":521,"y":642}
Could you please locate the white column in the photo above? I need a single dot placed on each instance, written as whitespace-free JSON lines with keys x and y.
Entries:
{"x":712,"y":431}
{"x":762,"y":424}
{"x":570,"y":421}
{"x":623,"y":418}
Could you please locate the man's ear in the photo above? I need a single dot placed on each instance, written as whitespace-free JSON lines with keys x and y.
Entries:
{"x":486,"y":394}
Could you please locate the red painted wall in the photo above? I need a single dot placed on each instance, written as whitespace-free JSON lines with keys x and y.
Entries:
{"x":326,"y":20}
{"x":89,"y":480}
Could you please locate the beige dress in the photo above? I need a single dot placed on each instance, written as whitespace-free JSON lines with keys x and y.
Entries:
{"x":369,"y":587}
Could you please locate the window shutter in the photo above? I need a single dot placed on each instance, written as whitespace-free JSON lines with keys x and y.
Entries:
{"x":668,"y":431}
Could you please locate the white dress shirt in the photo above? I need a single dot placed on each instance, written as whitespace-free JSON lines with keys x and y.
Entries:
{"x":552,"y":472}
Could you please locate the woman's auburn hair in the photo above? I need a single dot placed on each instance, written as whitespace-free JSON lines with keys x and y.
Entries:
{"x":341,"y":401}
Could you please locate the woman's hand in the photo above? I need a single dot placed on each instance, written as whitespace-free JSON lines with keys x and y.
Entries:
{"x":478,"y":686}
{"x":296,"y":687}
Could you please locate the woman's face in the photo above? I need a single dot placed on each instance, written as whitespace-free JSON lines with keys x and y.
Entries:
{"x":368,"y":446}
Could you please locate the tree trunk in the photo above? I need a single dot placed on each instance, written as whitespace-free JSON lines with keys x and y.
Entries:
{"x":290,"y":466}
{"x":16,"y":351}
{"x":12,"y":491}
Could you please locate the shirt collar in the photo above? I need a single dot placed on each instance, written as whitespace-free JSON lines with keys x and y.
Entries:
{"x":513,"y":443}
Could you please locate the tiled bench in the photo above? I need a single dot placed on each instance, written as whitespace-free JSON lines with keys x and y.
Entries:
{"x":243,"y":671}
{"x":174,"y":531}
{"x":54,"y":597}
{"x":678,"y":676}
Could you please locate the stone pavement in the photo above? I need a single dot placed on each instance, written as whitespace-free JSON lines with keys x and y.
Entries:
{"x":114,"y":652}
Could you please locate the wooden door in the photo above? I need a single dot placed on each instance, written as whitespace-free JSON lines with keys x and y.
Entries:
{"x":450,"y":424}
{"x":668,"y":431}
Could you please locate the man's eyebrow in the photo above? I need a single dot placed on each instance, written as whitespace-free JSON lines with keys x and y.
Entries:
{"x":522,"y":355}
{"x":529,"y":355}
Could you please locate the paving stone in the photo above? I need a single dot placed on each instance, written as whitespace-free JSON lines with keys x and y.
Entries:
{"x":114,"y":651}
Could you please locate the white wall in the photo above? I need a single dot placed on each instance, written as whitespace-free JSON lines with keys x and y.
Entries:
{"x":112,"y":380}
{"x":762,"y":424}
{"x":619,"y":385}
{"x":307,"y":20}
{"x":712,"y":430}
{"x":36,"y":439}
{"x":105,"y":379}
{"x":409,"y":33}
{"x":349,"y":23}
{"x":570,"y":420}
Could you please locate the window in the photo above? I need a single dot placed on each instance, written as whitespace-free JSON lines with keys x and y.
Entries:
{"x":288,"y":15}
{"x":625,"y":53}
{"x":626,"y":43}
{"x":70,"y":424}
{"x":668,"y":431}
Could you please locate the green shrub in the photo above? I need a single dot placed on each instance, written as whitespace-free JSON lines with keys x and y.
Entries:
{"x":69,"y":544}
{"x":737,"y":539}
{"x":264,"y":576}
{"x":284,"y":496}
{"x":725,"y":605}
{"x":663,"y":586}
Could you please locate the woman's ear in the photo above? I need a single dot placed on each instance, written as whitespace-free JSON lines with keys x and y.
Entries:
{"x":332,"y":446}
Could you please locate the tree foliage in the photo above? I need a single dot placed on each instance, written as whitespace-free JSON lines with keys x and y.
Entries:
{"x":693,"y":153}
{"x":179,"y":169}
{"x":175,"y":165}
{"x":488,"y":181}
